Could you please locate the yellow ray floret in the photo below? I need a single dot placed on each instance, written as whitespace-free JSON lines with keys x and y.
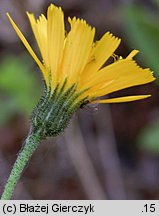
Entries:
{"x":39,"y":28}
{"x":122,"y":99}
{"x":28,"y":47}
{"x":119,"y":75}
{"x":77,"y":49}
{"x":76,"y":57}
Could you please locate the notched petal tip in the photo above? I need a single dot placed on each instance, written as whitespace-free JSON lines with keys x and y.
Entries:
{"x":146,"y":72}
{"x":53,"y":7}
{"x":112,"y":36}
{"x":77,"y":21}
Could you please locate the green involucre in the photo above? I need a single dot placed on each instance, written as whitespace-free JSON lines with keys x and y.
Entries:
{"x":55,"y":109}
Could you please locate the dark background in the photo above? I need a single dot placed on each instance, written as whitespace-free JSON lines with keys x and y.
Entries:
{"x":108,"y":151}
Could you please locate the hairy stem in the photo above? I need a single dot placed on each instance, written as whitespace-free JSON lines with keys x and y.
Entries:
{"x":30,"y":145}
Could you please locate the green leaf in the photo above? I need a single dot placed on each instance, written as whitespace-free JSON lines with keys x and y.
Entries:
{"x":142,"y":29}
{"x":19,"y":89}
{"x":149,"y":137}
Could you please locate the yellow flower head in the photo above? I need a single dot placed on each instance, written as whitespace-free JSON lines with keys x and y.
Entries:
{"x":74,"y":73}
{"x":75,"y":57}
{"x":73,"y":69}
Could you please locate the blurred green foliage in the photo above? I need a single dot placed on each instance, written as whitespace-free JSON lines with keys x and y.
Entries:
{"x":19,"y":89}
{"x":142,"y":30}
{"x":148,"y":139}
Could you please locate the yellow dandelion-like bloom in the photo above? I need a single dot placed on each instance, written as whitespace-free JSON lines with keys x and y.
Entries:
{"x":75,"y":57}
{"x":73,"y":69}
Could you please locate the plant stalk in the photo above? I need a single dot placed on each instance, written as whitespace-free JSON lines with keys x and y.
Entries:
{"x":30,"y":145}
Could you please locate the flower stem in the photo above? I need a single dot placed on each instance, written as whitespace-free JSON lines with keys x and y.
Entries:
{"x":30,"y":145}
